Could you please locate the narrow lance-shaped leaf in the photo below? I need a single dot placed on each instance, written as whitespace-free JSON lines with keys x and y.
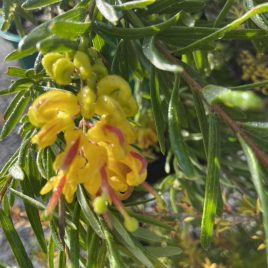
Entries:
{"x":157,"y":110}
{"x":15,"y":116}
{"x":259,"y":20}
{"x":257,"y":180}
{"x":114,"y":257}
{"x":69,"y":29}
{"x":35,"y":4}
{"x":218,"y":34}
{"x":74,"y":238}
{"x":134,"y":4}
{"x":42,"y":31}
{"x":56,"y":44}
{"x":108,"y":11}
{"x":134,"y":33}
{"x":89,"y":214}
{"x":177,"y":143}
{"x":156,"y":58}
{"x":14,"y":241}
{"x":245,"y":100}
{"x":128,"y":240}
{"x":212,"y":183}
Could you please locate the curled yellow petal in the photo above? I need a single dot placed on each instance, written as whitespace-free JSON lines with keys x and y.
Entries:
{"x":82,"y":63}
{"x":48,"y":61}
{"x":48,"y":105}
{"x":62,"y":71}
{"x":48,"y":133}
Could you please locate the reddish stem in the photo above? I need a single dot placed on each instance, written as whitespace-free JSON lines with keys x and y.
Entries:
{"x":55,"y":197}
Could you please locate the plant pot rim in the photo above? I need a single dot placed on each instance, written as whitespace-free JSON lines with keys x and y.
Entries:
{"x":8,"y":35}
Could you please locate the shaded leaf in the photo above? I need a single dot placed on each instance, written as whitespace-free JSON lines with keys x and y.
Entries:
{"x":108,"y":11}
{"x":212,"y":184}
{"x":14,"y":241}
{"x":157,"y":110}
{"x":177,"y":143}
{"x":35,"y":4}
{"x":156,"y":58}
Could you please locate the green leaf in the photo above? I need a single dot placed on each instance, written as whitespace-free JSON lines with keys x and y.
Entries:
{"x":135,"y":33}
{"x":212,"y":183}
{"x":18,"y":72}
{"x":93,"y":244}
{"x":98,"y":42}
{"x":151,"y":220}
{"x":134,"y":4}
{"x":259,"y":20}
{"x":228,"y":4}
{"x":88,"y":213}
{"x":8,"y":14}
{"x":33,"y":216}
{"x":15,"y":115}
{"x":157,"y":110}
{"x":14,"y":241}
{"x":147,"y":235}
{"x":156,"y":58}
{"x":114,"y":257}
{"x":42,"y":31}
{"x":39,"y":162}
{"x":35,"y":4}
{"x":56,"y":44}
{"x":16,"y":172}
{"x":257,"y":180}
{"x":16,"y":55}
{"x":50,"y":254}
{"x":18,"y":85}
{"x":8,"y":164}
{"x":55,"y":236}
{"x":74,"y":238}
{"x":202,"y":118}
{"x":245,"y":100}
{"x":69,"y":29}
{"x":130,"y":244}
{"x":108,"y":11}
{"x":31,"y":201}
{"x":169,"y":6}
{"x":177,"y":143}
{"x":167,"y":251}
{"x":221,"y":32}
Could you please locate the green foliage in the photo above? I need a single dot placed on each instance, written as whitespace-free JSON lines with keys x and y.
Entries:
{"x":181,"y":59}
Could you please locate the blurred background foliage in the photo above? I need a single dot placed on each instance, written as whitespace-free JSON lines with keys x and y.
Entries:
{"x":194,"y":151}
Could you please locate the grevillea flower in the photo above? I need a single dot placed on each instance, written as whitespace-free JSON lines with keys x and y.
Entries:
{"x":99,"y":156}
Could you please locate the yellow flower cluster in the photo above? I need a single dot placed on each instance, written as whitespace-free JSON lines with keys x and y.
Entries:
{"x":98,"y":152}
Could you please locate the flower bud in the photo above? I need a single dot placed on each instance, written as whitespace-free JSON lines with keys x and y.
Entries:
{"x":131,"y":224}
{"x":99,"y":205}
{"x":86,"y":99}
{"x":82,"y":62}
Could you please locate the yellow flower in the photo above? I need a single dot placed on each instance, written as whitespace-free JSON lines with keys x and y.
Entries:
{"x":48,"y":105}
{"x":137,"y":168}
{"x":114,"y":132}
{"x":81,"y":167}
{"x":48,"y":133}
{"x":146,"y":137}
{"x":119,"y":89}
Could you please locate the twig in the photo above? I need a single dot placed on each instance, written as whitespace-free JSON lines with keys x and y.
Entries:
{"x":194,"y":85}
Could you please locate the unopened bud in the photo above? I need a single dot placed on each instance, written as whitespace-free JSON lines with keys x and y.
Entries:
{"x":99,"y":205}
{"x":131,"y":224}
